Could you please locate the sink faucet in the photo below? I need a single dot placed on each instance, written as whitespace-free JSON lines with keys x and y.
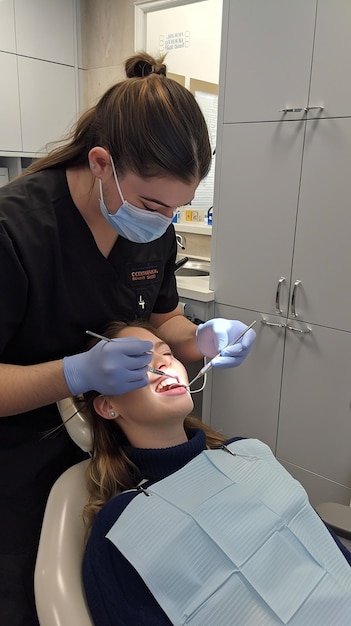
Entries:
{"x":181,"y":241}
{"x":180,"y":263}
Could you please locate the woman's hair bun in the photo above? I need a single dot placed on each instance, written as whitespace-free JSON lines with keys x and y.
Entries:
{"x":143,"y":64}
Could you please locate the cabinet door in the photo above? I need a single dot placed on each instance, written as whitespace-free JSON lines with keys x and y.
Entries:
{"x":48,"y":102}
{"x":10,"y":127}
{"x":268,"y":58}
{"x":322,"y":254}
{"x":315,"y":417}
{"x":330,"y":83}
{"x":7,"y":26}
{"x":45,"y":29}
{"x":245,"y":400}
{"x":256,"y":195}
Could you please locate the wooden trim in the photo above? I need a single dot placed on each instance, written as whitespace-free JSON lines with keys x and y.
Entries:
{"x":177,"y":77}
{"x":202,"y":85}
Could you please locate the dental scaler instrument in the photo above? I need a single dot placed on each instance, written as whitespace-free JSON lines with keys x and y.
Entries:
{"x":153,"y":370}
{"x":208,"y":365}
{"x":90,"y":332}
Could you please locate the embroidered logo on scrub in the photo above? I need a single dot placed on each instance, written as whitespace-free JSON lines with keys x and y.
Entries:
{"x":144,"y":274}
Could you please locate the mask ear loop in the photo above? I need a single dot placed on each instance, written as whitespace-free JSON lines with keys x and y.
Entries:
{"x":116,"y":180}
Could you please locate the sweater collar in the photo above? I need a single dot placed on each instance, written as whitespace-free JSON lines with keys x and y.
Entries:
{"x":155,"y":464}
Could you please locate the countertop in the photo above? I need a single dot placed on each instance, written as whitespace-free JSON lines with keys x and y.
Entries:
{"x":195,"y":288}
{"x":197,"y":228}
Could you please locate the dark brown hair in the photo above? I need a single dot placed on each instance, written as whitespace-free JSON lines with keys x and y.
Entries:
{"x":149,"y":123}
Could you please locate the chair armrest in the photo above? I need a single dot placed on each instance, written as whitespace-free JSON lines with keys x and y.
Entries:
{"x":337,"y":516}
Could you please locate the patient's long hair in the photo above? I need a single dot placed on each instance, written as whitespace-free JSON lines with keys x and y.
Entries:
{"x":110,"y":470}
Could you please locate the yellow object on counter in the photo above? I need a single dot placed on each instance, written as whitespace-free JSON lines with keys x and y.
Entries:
{"x":194,"y":215}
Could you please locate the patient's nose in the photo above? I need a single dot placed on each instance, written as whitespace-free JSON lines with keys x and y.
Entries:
{"x":161,"y":361}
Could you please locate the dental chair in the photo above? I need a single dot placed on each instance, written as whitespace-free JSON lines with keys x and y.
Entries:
{"x":59,"y":593}
{"x":338,"y":517}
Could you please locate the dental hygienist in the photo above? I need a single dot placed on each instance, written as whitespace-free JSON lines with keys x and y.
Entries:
{"x":86,"y":238}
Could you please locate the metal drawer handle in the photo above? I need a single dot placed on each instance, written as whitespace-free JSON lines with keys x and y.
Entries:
{"x":272,"y":324}
{"x":294,"y":110}
{"x":293,"y":298}
{"x":278,"y":308}
{"x":299,"y":109}
{"x":299,"y":330}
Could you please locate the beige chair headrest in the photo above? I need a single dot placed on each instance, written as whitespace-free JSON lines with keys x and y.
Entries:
{"x":76,"y":424}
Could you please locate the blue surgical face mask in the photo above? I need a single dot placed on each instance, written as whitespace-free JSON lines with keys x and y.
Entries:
{"x":133,"y":223}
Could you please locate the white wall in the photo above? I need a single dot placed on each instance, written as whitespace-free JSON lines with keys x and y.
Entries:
{"x":191,"y":36}
{"x":107,"y":39}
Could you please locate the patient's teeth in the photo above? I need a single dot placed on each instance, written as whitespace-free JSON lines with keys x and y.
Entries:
{"x":166,"y":382}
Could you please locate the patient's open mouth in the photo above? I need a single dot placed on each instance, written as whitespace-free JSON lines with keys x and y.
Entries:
{"x":167,"y":383}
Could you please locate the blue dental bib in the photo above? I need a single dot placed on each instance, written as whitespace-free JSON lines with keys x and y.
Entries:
{"x":232,"y":539}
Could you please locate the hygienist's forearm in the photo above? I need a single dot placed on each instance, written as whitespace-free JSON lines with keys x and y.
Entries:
{"x":179,"y":333}
{"x":24,"y":388}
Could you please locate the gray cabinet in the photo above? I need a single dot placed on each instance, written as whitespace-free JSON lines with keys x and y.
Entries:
{"x":282,"y":223}
{"x":267,"y":51}
{"x":245,"y":400}
{"x":293,"y":392}
{"x":257,"y":187}
{"x":274,"y":222}
{"x":322,"y":250}
{"x":330,"y":86}
{"x":285,"y":55}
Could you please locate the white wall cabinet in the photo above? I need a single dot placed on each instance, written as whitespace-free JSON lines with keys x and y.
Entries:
{"x":45,"y":29}
{"x":282,"y":221}
{"x":7,"y":26}
{"x":10,"y":124}
{"x":39,"y":74}
{"x":46,"y":114}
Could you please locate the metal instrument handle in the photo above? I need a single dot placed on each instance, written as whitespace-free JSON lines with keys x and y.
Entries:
{"x":278,"y":308}
{"x":293,"y":298}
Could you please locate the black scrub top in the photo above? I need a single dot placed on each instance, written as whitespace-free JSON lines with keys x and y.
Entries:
{"x":54,"y":285}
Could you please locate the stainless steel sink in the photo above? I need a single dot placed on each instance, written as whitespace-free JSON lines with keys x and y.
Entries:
{"x":194,"y":268}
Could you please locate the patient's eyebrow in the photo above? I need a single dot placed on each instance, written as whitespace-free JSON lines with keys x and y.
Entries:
{"x":159,"y":344}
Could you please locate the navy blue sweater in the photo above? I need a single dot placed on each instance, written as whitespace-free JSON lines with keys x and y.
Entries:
{"x":115,"y":592}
